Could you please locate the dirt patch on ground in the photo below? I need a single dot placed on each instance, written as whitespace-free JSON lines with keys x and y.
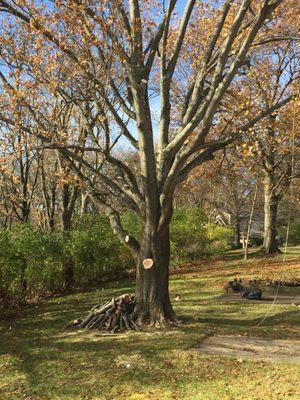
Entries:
{"x":252,"y":348}
{"x":282,"y":295}
{"x":266,"y":299}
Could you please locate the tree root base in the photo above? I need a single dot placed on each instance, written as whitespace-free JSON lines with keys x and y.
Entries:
{"x":120,"y":314}
{"x":269,"y":253}
{"x":159,"y":321}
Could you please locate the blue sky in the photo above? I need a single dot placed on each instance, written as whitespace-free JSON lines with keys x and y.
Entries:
{"x":180,"y":6}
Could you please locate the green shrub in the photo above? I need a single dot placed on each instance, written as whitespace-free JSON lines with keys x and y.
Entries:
{"x":219,"y":238}
{"x":192,"y":235}
{"x":97,"y":252}
{"x":294,"y":233}
{"x":187,"y":233}
{"x":132,"y":224}
{"x":31,"y":260}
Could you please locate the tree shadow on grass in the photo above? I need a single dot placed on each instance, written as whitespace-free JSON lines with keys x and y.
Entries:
{"x":67,"y":362}
{"x":75,"y":355}
{"x":70,"y":362}
{"x":271,"y":321}
{"x":78,"y":356}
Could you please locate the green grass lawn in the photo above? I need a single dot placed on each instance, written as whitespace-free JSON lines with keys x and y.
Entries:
{"x":40,"y":359}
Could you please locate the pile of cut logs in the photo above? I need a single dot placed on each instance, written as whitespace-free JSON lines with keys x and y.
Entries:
{"x":113,"y":315}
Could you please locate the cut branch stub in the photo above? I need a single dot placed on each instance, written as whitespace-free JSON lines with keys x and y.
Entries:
{"x":148,"y":263}
{"x":127,"y":238}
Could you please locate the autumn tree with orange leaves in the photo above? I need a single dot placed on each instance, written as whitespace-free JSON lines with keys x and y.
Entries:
{"x":273,"y":144}
{"x":134,"y":74}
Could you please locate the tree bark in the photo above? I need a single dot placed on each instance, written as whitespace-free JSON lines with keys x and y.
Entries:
{"x":153,"y":306}
{"x":68,"y":272}
{"x":68,"y":263}
{"x":67,"y":214}
{"x":238,"y":231}
{"x":270,"y":245}
{"x":246,"y":245}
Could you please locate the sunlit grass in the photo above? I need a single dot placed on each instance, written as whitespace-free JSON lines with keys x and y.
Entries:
{"x":40,"y":359}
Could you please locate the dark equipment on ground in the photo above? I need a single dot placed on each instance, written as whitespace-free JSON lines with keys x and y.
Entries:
{"x":253,"y":293}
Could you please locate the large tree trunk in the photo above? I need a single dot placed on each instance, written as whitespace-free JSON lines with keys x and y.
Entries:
{"x":153,"y":305}
{"x":238,"y":231}
{"x":68,"y":272}
{"x":25,"y":210}
{"x":23,"y":284}
{"x":270,"y":245}
{"x":69,"y":197}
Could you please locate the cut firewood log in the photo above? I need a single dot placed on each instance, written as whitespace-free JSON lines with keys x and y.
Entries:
{"x":126,"y":322}
{"x":111,"y":310}
{"x":96,"y":321}
{"x":122,"y":325}
{"x":115,"y":321}
{"x":132,"y":323}
{"x":100,"y":319}
{"x":86,"y":320}
{"x":100,"y":305}
{"x":109,"y":306}
{"x":109,"y":323}
{"x":90,"y":323}
{"x":115,"y":329}
{"x":103,"y":322}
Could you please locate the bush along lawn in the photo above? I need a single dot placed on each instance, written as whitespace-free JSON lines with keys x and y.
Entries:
{"x":31,"y":260}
